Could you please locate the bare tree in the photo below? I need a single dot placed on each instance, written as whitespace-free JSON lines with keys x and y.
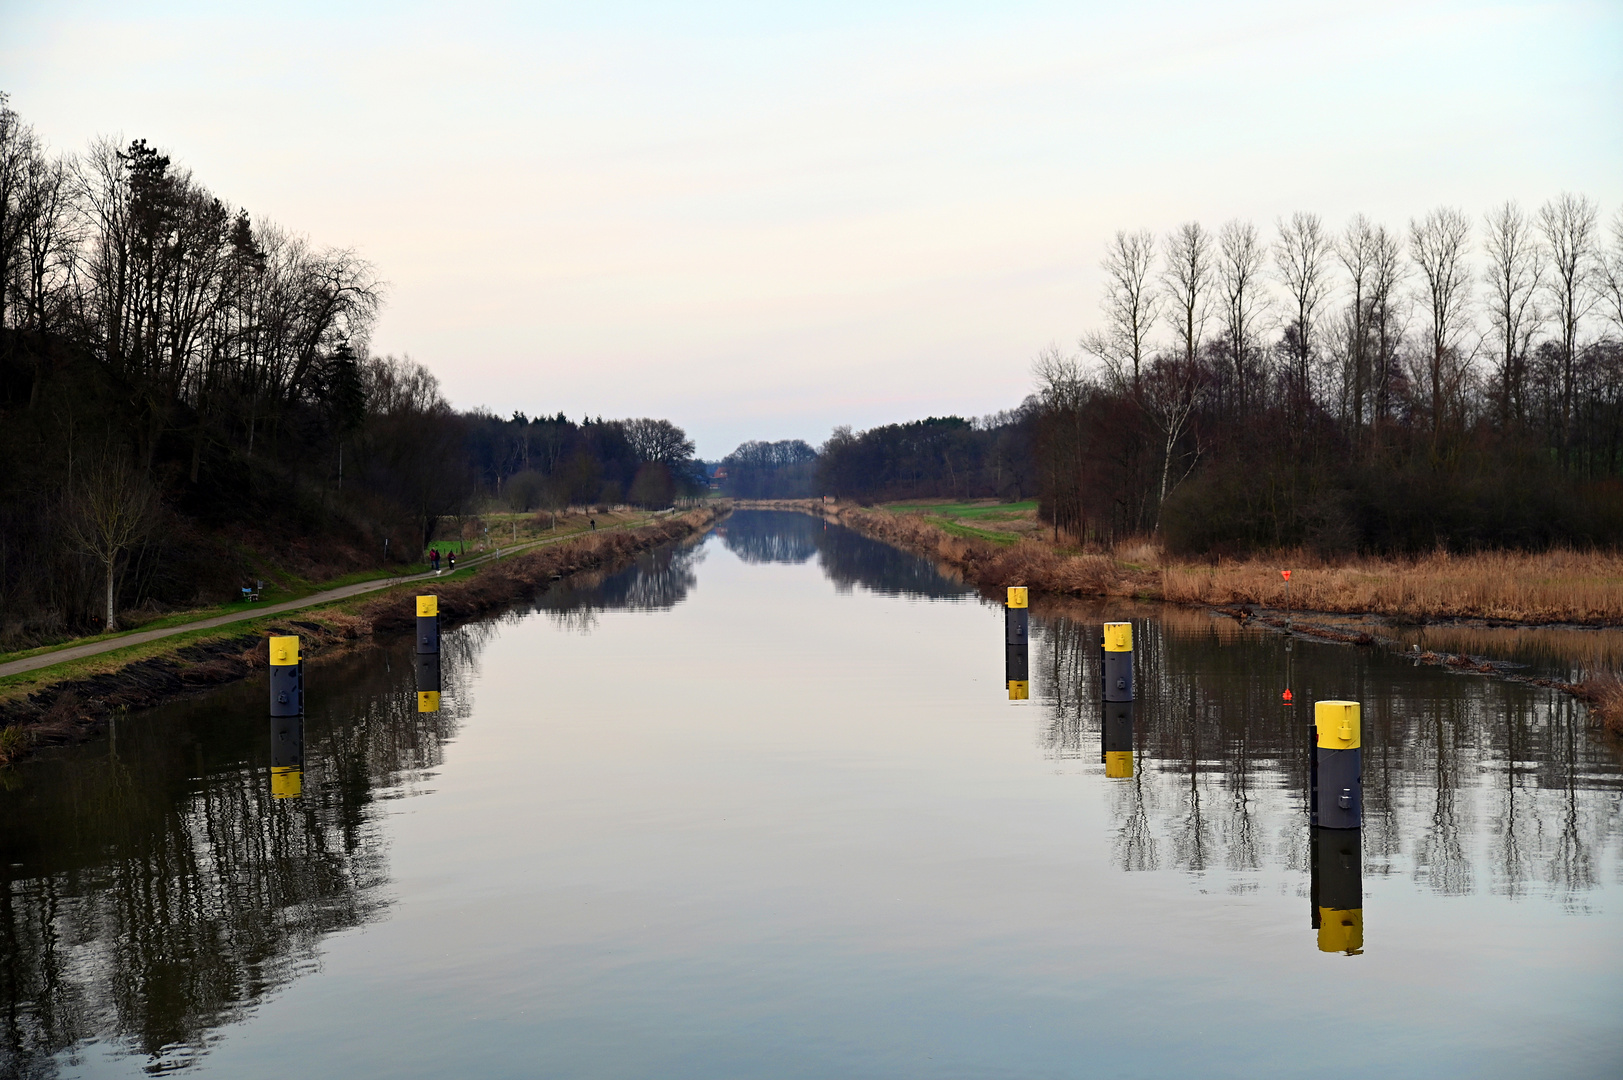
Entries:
{"x":112,"y":507}
{"x":1302,"y":257}
{"x":659,"y":441}
{"x":1131,"y":305}
{"x":1358,"y":254}
{"x":1239,"y":275}
{"x":1439,"y":243}
{"x":1515,"y":269}
{"x":1568,"y":223}
{"x":17,"y":148}
{"x":1387,"y":317}
{"x":1062,"y":388}
{"x":1172,"y":391}
{"x":1611,"y":277}
{"x":1187,"y":276}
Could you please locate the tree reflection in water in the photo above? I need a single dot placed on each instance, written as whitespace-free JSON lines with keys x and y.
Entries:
{"x":155,"y":890}
{"x":1470,"y":784}
{"x":847,"y":558}
{"x":657,"y":581}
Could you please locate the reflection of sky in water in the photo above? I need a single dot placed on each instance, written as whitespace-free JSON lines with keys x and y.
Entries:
{"x":754,"y":825}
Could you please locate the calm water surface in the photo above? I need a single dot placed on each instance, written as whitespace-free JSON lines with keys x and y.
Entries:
{"x":760,"y":807}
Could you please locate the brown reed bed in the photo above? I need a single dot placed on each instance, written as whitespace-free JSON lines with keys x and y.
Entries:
{"x":1582,"y":588}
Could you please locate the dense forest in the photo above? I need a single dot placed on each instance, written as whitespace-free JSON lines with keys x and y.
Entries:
{"x":186,"y":395}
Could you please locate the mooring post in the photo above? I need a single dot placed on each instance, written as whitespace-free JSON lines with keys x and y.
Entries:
{"x":286,"y":677}
{"x":1338,"y":781}
{"x":1118,"y":661}
{"x":1337,"y":889}
{"x":428,"y":682}
{"x":428,"y":624}
{"x":1017,"y":643}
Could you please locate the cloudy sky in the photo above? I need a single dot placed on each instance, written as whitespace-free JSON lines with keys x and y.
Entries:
{"x":762,"y":220}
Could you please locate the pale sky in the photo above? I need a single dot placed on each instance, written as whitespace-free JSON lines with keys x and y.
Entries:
{"x":762,"y":220}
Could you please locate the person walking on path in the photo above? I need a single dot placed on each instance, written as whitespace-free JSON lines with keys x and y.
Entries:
{"x":434,"y":559}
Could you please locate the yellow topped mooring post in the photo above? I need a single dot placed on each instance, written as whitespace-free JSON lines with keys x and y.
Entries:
{"x":1338,"y":766}
{"x":1338,"y":889}
{"x":1017,"y":643}
{"x":1118,"y":661}
{"x":428,"y":624}
{"x":286,"y":676}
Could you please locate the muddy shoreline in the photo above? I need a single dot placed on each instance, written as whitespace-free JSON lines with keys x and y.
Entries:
{"x":75,"y":710}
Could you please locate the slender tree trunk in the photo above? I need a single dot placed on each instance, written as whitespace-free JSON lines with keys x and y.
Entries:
{"x":112,"y":617}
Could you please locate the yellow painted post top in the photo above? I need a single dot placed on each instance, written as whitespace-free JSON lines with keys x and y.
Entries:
{"x":284,"y":651}
{"x":1019,"y":690}
{"x":1341,"y":931}
{"x":1017,"y":596}
{"x":428,"y":605}
{"x":287,"y":782}
{"x":1118,"y":637}
{"x":1339,"y":724}
{"x":1119,"y":764}
{"x":428,"y":701}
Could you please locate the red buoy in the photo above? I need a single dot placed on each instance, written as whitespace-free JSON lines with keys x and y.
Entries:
{"x":1287,"y":695}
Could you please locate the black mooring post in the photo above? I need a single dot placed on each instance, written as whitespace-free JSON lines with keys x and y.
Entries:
{"x":1118,"y":661}
{"x":286,"y":677}
{"x":428,"y":624}
{"x":1338,"y":782}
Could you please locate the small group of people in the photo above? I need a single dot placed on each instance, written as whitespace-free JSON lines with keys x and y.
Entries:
{"x":434,"y":559}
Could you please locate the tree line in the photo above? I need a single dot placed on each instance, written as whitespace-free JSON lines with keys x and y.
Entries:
{"x":1455,"y":382}
{"x":938,"y":457}
{"x":180,"y":381}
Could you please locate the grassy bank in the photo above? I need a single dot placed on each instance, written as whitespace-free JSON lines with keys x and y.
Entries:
{"x":72,"y":701}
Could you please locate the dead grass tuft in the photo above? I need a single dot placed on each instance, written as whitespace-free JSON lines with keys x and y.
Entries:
{"x":1604,"y":694}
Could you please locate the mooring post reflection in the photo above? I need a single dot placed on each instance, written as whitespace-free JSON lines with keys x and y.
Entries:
{"x":428,"y":682}
{"x":1116,"y":741}
{"x":1017,"y":644}
{"x":1336,"y":889}
{"x":287,"y":757}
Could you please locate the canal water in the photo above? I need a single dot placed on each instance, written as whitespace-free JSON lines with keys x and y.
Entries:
{"x":760,"y":806}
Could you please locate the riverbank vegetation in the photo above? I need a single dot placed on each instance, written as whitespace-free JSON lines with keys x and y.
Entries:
{"x":1451,"y":383}
{"x":1533,"y":588}
{"x":68,"y":702}
{"x":188,"y":405}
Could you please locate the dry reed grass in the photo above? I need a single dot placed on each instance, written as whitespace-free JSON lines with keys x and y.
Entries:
{"x":1555,"y":586}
